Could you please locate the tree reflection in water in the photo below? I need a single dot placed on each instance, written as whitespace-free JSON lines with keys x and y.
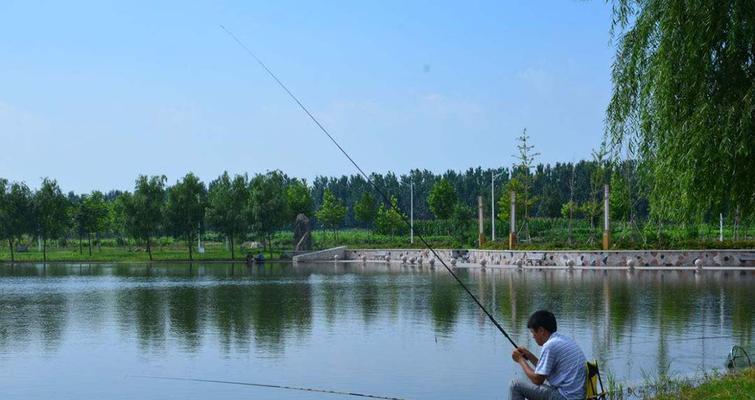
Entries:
{"x":239,"y":309}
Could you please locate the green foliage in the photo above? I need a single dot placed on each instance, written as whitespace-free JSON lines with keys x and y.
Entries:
{"x":619,"y":197}
{"x":5,"y":214}
{"x":227,"y":201}
{"x":185,"y":208}
{"x":442,"y":199}
{"x":299,"y":199}
{"x":117,"y":215}
{"x":389,"y":220}
{"x":90,"y":215}
{"x":462,"y":220}
{"x":51,"y":211}
{"x":683,"y":102}
{"x":523,"y":174}
{"x":267,"y":206}
{"x":711,"y":386}
{"x":332,"y":212}
{"x":144,"y":209}
{"x":570,"y":209}
{"x":365,"y":210}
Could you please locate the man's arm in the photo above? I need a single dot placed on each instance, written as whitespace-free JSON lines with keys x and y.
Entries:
{"x":519,"y":357}
{"x":528,"y":355}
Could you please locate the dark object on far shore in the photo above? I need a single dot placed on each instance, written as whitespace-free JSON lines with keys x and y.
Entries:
{"x":252,"y":259}
{"x":302,"y":233}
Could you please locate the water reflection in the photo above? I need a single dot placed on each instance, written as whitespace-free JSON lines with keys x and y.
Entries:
{"x":631,"y":322}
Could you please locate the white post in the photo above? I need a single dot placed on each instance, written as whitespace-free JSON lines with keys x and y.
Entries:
{"x":512,"y":228}
{"x":492,"y":205}
{"x":481,"y":234}
{"x":606,"y":219}
{"x":605,"y":208}
{"x":721,"y":227}
{"x":411,"y":212}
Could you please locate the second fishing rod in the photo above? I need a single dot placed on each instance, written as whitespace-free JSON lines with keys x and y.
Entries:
{"x":386,"y":199}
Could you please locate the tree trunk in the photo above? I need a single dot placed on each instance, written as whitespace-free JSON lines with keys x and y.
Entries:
{"x":81,"y":251}
{"x":190,"y":241}
{"x":12,"y":256}
{"x":230,"y":237}
{"x":90,"y":244}
{"x":44,"y":250}
{"x":149,"y":249}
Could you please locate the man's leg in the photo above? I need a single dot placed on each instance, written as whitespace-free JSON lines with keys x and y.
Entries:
{"x":521,"y":390}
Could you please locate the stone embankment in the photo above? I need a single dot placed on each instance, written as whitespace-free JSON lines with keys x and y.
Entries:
{"x":744,"y":259}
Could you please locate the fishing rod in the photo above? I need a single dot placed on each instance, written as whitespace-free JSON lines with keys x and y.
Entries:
{"x":374,"y":186}
{"x":301,"y":389}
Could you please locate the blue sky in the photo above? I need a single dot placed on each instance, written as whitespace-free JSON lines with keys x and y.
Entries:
{"x":95,"y":93}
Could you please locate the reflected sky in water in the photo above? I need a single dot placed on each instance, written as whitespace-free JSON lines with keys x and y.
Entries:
{"x":86,"y":331}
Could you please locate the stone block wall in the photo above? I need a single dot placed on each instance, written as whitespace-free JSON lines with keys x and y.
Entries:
{"x":616,"y":258}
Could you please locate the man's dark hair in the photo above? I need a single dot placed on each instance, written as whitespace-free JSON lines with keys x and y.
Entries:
{"x":542,"y":319}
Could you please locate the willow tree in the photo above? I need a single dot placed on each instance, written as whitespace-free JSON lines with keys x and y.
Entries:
{"x":683,"y":102}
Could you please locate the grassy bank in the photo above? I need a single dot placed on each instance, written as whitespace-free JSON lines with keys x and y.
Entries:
{"x":738,"y":385}
{"x":169,"y":249}
{"x":716,"y":385}
{"x":173,"y":252}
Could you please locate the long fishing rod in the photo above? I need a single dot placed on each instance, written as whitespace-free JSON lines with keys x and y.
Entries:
{"x":374,"y":186}
{"x":301,"y":389}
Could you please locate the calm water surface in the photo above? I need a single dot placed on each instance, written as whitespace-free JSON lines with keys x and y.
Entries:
{"x":87,"y":331}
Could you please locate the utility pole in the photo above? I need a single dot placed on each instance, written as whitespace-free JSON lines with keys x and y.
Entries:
{"x":512,"y":227}
{"x":606,"y":220}
{"x":411,"y":212}
{"x":721,"y":227}
{"x":493,"y":175}
{"x":481,"y":235}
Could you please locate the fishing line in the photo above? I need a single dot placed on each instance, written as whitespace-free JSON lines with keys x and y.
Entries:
{"x":374,"y":186}
{"x":301,"y":389}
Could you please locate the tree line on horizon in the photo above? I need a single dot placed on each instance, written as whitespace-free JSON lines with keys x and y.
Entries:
{"x":239,"y":207}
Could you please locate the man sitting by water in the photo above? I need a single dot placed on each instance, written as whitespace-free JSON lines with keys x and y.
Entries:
{"x":561,"y":362}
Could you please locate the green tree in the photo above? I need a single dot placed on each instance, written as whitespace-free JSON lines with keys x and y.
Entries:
{"x":5,"y":213}
{"x":522,"y":203}
{"x":267,"y":206}
{"x":522,"y":171}
{"x":227,"y":200}
{"x":461,"y":222}
{"x":365,"y":210}
{"x":99,"y":212}
{"x":117,"y":217}
{"x":299,"y":199}
{"x":51,"y":210}
{"x":80,"y":216}
{"x":389,"y":220}
{"x":16,"y":219}
{"x":598,"y":178}
{"x":683,"y":101}
{"x":331,"y":213}
{"x":144,"y":209}
{"x":185,"y":209}
{"x":442,"y":199}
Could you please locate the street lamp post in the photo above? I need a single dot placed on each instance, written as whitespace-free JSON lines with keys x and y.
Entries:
{"x":493,"y":175}
{"x":411,"y":212}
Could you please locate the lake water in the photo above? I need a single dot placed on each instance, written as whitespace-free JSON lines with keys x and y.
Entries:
{"x":89,"y":331}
